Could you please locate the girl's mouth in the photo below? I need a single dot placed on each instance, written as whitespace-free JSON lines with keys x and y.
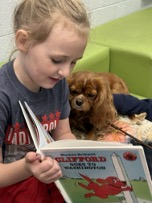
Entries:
{"x":54,"y":79}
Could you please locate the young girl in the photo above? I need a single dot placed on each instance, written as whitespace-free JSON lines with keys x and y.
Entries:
{"x":50,"y":37}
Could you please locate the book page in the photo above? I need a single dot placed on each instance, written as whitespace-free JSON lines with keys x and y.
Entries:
{"x":70,"y":143}
{"x":39,"y":135}
{"x":30,"y":127}
{"x":43,"y":137}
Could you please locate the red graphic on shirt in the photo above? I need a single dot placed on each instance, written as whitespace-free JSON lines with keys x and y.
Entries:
{"x":17,"y":126}
{"x":51,"y":116}
{"x":58,"y":114}
{"x":19,"y":135}
{"x":44,"y":118}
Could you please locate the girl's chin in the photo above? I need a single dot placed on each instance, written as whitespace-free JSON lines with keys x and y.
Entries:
{"x":48,"y":86}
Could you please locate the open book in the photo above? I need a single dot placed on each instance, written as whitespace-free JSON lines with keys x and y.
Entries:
{"x":94,"y":171}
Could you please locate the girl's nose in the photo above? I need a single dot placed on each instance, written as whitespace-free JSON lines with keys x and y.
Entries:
{"x":65,"y":70}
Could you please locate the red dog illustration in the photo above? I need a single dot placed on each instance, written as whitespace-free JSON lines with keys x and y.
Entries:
{"x":104,"y":187}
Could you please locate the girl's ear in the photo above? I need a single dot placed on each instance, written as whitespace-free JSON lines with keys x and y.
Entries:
{"x":21,"y":40}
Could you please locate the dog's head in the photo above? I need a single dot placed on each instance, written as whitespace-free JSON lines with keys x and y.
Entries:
{"x":90,"y":93}
{"x":114,"y":181}
{"x":84,"y":91}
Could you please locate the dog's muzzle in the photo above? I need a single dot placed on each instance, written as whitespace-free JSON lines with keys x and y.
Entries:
{"x":79,"y":102}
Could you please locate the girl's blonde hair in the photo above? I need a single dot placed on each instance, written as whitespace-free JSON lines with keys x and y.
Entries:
{"x":38,"y":17}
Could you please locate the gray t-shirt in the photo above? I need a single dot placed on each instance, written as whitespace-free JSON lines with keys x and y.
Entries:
{"x":49,"y":105}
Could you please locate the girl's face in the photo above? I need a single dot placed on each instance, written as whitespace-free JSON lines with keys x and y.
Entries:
{"x":47,"y":63}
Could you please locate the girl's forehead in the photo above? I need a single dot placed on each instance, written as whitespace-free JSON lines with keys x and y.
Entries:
{"x":66,"y":33}
{"x":69,"y":27}
{"x":66,"y":42}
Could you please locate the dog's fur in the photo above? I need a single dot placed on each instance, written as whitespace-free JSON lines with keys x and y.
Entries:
{"x":91,"y":100}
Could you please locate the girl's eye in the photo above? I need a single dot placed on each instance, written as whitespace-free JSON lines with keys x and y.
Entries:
{"x":74,"y":62}
{"x":56,"y":61}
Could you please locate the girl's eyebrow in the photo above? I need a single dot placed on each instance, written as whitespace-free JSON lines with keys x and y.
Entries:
{"x":79,"y":58}
{"x":64,"y":56}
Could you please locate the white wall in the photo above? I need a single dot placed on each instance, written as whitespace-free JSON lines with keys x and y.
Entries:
{"x":101,"y":11}
{"x":6,"y":36}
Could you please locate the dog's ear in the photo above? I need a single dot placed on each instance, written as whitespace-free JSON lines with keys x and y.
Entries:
{"x":103,"y":108}
{"x":69,"y":79}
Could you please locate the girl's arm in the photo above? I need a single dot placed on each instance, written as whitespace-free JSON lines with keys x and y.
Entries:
{"x":46,"y":171}
{"x":13,"y":172}
{"x":63,"y":130}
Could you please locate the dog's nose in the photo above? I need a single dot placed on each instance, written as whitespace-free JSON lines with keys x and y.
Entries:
{"x":79,"y":102}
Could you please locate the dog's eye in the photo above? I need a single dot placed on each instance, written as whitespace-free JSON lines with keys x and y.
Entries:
{"x":91,"y":96}
{"x":74,"y":92}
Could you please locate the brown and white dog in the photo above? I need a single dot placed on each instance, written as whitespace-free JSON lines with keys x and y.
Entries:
{"x":91,"y":101}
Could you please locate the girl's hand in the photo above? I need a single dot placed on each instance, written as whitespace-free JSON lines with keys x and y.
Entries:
{"x":46,"y":171}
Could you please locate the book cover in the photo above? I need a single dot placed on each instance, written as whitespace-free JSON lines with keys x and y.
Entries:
{"x":95,"y":171}
{"x":103,"y":173}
